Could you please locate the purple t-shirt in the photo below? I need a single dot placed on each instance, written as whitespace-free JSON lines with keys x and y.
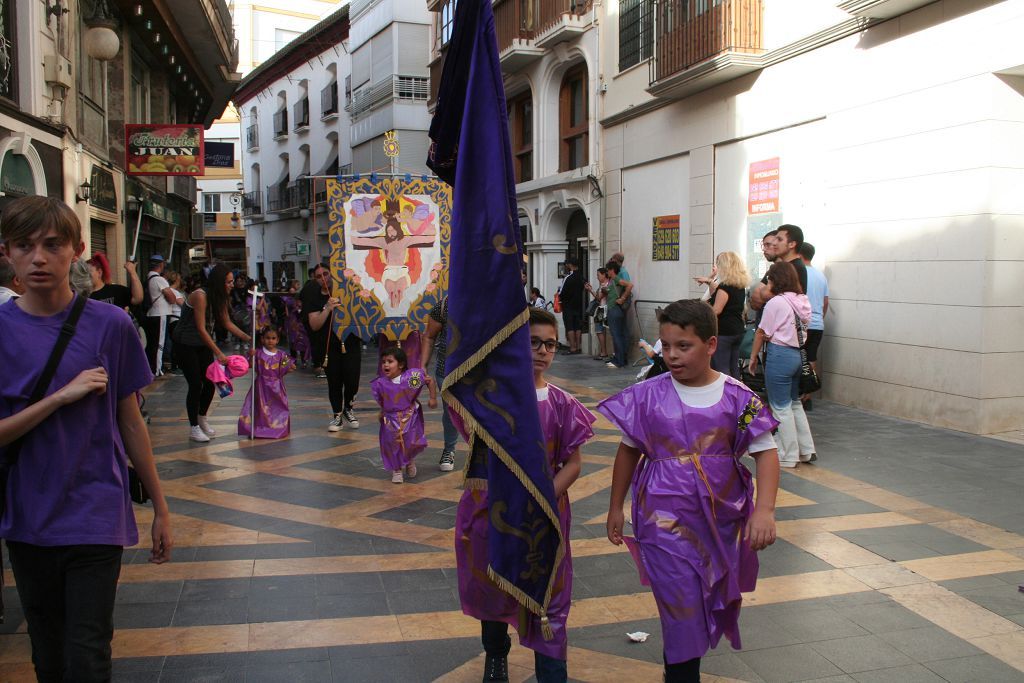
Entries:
{"x":69,"y":485}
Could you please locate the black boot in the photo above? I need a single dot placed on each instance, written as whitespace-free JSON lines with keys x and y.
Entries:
{"x":495,"y":669}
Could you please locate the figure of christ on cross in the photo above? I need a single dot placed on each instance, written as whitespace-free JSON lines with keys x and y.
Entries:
{"x":395,"y":246}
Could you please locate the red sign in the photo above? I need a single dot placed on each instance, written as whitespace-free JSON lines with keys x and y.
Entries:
{"x":159,"y":149}
{"x":763,"y":196}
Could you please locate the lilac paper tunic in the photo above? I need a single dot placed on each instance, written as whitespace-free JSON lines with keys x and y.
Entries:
{"x":691,"y":499}
{"x":298,"y":340}
{"x":402,"y":435}
{"x":272,"y":418}
{"x":566,"y":425}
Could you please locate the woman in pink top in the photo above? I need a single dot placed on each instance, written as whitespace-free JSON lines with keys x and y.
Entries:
{"x":788,"y":304}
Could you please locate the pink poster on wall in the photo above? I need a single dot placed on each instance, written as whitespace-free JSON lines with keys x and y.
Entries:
{"x":763,"y":195}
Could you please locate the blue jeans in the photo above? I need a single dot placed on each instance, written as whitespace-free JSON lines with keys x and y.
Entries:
{"x":617,"y":325}
{"x":727,"y":355}
{"x":782,"y":381}
{"x":451,"y":434}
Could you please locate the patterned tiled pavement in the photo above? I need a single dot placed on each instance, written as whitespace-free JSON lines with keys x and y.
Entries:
{"x":899,"y":558}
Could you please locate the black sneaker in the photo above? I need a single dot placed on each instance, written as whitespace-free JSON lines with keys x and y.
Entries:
{"x":447,"y":463}
{"x":495,"y":669}
{"x":350,"y":418}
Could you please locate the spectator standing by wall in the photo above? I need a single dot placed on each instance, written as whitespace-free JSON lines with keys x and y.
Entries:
{"x":817,"y":293}
{"x":572,"y":299}
{"x":601,"y":314}
{"x":619,"y":292}
{"x":759,"y":294}
{"x":728,"y":296}
{"x":155,"y":325}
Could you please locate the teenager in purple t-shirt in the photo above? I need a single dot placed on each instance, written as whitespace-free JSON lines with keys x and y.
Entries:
{"x":68,"y":514}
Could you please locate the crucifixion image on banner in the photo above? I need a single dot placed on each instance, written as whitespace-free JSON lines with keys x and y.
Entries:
{"x":389,"y":245}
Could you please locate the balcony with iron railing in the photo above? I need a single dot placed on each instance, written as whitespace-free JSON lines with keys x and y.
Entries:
{"x":281,"y":124}
{"x":515,"y":22}
{"x":301,"y":114}
{"x":389,"y":89}
{"x":329,"y":101}
{"x":561,"y":20}
{"x":288,"y":196}
{"x":703,"y":43}
{"x":252,"y":137}
{"x":252,"y":203}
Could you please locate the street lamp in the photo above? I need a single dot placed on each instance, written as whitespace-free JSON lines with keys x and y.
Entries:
{"x":101,"y":41}
{"x":84,"y":191}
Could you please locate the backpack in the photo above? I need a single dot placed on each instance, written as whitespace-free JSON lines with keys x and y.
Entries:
{"x":142,"y":310}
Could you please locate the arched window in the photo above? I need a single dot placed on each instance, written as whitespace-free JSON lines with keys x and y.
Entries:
{"x":573,"y":120}
{"x":520,"y":121}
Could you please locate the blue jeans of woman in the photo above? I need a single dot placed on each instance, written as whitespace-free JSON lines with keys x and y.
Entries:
{"x":451,"y":435}
{"x":782,"y":381}
{"x":727,"y":355}
{"x":617,"y":324}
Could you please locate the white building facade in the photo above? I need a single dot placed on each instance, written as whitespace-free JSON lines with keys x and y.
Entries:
{"x":892,"y":130}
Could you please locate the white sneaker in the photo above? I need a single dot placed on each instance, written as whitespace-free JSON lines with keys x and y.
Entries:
{"x":205,"y":426}
{"x":789,"y":464}
{"x":335,"y":424}
{"x":396,"y":477}
{"x":350,"y":418}
{"x":198,"y":435}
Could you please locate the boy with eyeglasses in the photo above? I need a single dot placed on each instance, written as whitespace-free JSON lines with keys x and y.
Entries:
{"x":567,"y":426}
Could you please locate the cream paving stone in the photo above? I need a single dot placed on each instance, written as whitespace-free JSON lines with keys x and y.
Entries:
{"x":288,"y":635}
{"x":949,"y":611}
{"x":803,"y":587}
{"x":835,"y":550}
{"x":982,"y":533}
{"x":869,"y":520}
{"x":1008,"y":647}
{"x":964,"y":565}
{"x":888,"y":575}
{"x":169,"y":641}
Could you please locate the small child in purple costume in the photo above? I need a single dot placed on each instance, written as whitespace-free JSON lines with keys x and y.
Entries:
{"x":402,"y":435}
{"x":697,"y":527}
{"x":567,"y":426}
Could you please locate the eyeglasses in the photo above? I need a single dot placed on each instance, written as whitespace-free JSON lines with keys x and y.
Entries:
{"x":549,"y":345}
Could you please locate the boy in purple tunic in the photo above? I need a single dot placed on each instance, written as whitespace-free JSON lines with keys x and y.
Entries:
{"x":68,"y":514}
{"x":273,"y":420}
{"x":567,"y":426}
{"x":696,"y":524}
{"x":402,"y":435}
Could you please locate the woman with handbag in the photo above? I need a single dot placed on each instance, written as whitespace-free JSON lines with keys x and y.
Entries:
{"x":69,"y":426}
{"x":599,"y":311}
{"x":782,"y":326}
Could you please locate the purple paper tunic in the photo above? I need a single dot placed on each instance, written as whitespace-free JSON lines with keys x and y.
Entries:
{"x":402,"y":435}
{"x":272,"y":418}
{"x":691,"y":500}
{"x":566,"y":425}
{"x":298,"y":340}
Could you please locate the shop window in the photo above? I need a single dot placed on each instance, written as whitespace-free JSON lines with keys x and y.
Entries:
{"x":8,"y":52}
{"x":636,"y":32}
{"x":139,"y":92}
{"x":573,"y":120}
{"x":520,"y":117}
{"x":211,"y":202}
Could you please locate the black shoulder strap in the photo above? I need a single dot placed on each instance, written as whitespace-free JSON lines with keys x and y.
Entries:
{"x":67,"y":331}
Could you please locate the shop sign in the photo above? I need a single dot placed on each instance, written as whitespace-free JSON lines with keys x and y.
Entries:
{"x":163,"y":149}
{"x":219,"y":155}
{"x":103,"y":195}
{"x":159,"y":212}
{"x":16,"y":175}
{"x":666,"y":238}
{"x":763,"y":194}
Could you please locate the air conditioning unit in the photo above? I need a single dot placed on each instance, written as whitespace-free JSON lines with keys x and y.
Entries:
{"x":57,"y":71}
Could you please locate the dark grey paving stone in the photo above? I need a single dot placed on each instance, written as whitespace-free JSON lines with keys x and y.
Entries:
{"x":885,"y":617}
{"x":856,"y":507}
{"x":597,"y":565}
{"x":728,"y":665}
{"x":413,"y":602}
{"x":293,"y":491}
{"x":913,"y":673}
{"x":294,"y":672}
{"x":930,"y":644}
{"x":861,"y":653}
{"x":214,"y":589}
{"x":1003,"y":600}
{"x":416,"y":580}
{"x":211,"y":612}
{"x":974,"y":669}
{"x":285,"y":608}
{"x":297,"y":445}
{"x":791,"y":663}
{"x":424,"y":512}
{"x":758,"y":631}
{"x":212,"y":660}
{"x":177,"y":469}
{"x":181,"y":554}
{"x":352,"y":605}
{"x":355,"y":464}
{"x":613,"y":583}
{"x":344,"y":584}
{"x":143,"y":615}
{"x":813,"y":625}
{"x":784,"y":558}
{"x":132,"y":664}
{"x":202,"y":676}
{"x":262,"y":587}
{"x":157,"y":591}
{"x":916,"y":541}
{"x":972,"y":582}
{"x":150,"y":676}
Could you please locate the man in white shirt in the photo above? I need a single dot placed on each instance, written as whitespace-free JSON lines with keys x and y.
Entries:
{"x":10,"y":287}
{"x":161,"y":297}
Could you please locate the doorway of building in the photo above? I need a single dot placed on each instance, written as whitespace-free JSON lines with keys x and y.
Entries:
{"x":577,"y":233}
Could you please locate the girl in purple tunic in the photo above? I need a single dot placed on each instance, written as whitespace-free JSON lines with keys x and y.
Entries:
{"x":402,"y":436}
{"x":695,"y":522}
{"x":567,"y":426}
{"x":272,"y":364}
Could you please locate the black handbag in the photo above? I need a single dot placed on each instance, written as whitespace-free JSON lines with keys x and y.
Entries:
{"x":592,"y":307}
{"x":809,"y":382}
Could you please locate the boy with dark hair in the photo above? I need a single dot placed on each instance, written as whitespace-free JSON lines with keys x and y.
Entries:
{"x":695,"y":522}
{"x":566,"y":424}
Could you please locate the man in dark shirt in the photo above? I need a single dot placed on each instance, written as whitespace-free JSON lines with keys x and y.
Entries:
{"x":571,"y":297}
{"x":786,"y":247}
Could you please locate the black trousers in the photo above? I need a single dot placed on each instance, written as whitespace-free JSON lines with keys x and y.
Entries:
{"x":67,"y":593}
{"x":151,"y":325}
{"x":343,"y":371}
{"x":494,"y":636}
{"x":193,"y":361}
{"x":683,"y":672}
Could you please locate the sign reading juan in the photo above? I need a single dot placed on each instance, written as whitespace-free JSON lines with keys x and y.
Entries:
{"x":157,"y":149}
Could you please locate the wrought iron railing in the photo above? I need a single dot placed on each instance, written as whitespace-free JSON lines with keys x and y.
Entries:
{"x":688,"y":32}
{"x":252,"y":137}
{"x":329,"y":100}
{"x":301,"y":111}
{"x":281,"y":123}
